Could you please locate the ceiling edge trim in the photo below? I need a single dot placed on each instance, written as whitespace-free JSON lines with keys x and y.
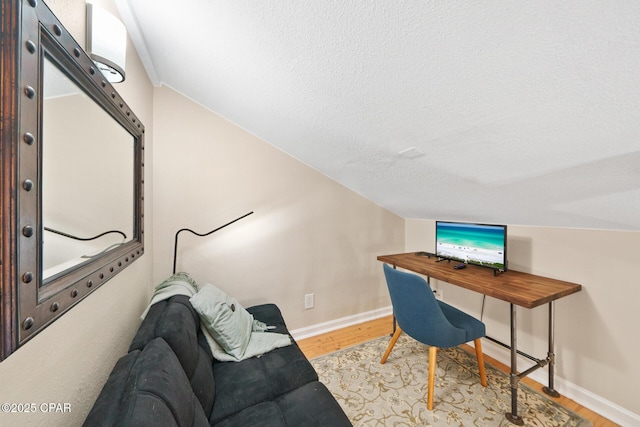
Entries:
{"x":133,"y":28}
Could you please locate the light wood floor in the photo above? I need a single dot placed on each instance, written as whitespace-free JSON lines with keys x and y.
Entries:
{"x":353,"y":335}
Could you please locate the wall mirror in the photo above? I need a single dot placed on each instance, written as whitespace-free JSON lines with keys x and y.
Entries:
{"x":87,"y":210}
{"x":72,"y":174}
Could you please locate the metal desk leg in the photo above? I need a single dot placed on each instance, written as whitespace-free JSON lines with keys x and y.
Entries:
{"x":395,"y":324}
{"x":551,"y":357}
{"x":515,"y":379}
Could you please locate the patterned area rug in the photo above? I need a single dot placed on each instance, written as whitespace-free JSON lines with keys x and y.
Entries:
{"x":394,"y":394}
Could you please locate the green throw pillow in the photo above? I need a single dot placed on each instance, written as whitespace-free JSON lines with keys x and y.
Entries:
{"x":224,"y":318}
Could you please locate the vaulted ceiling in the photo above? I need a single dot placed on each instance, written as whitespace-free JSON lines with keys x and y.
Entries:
{"x":488,"y":111}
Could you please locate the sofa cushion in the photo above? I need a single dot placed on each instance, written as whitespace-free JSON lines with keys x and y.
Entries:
{"x":147,"y":388}
{"x":310,"y":405}
{"x":175,"y":321}
{"x":265,"y":414}
{"x":271,"y":315}
{"x":260,"y":379}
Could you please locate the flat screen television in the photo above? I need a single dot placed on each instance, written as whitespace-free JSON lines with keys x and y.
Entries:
{"x":478,"y":244}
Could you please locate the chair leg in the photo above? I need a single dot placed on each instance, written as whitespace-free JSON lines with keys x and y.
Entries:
{"x":393,"y":341}
{"x":483,"y":376}
{"x":433,"y":351}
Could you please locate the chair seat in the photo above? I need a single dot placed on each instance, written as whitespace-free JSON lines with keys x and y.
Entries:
{"x":473,"y":327}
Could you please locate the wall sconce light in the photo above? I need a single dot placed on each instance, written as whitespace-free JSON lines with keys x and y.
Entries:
{"x":106,"y":43}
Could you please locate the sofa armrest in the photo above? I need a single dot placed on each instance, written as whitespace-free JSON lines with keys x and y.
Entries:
{"x":147,"y":388}
{"x":175,"y":321}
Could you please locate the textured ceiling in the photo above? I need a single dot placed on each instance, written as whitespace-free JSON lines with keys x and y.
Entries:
{"x":488,"y":111}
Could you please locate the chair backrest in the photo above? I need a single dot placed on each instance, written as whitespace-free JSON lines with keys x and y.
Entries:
{"x":417,"y":311}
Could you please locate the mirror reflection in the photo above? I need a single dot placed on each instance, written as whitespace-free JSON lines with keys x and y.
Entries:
{"x":87,"y":177}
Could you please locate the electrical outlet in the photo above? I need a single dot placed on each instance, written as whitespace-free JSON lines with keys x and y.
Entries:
{"x":439,"y":294}
{"x":308,"y":301}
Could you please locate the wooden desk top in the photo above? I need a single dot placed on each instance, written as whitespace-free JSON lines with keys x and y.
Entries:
{"x":523,"y":289}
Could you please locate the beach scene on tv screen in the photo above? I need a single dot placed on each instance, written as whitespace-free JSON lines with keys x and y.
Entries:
{"x":471,"y":243}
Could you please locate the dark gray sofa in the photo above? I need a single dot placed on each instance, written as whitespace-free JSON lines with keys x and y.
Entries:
{"x":169,"y":378}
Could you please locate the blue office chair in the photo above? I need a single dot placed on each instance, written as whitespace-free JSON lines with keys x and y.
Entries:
{"x":429,"y":321}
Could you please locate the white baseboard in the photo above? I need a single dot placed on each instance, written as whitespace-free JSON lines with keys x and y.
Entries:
{"x":311,"y":331}
{"x":582,"y":396}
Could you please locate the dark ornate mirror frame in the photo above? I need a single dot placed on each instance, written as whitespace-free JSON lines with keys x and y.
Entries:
{"x":27,"y":305}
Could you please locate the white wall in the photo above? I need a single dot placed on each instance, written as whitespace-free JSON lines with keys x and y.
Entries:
{"x":596,"y":329}
{"x":70,"y":361}
{"x":308,"y":234}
